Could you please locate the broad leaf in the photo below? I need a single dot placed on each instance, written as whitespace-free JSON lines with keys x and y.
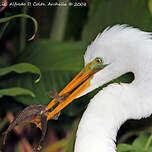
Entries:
{"x":7,"y":19}
{"x":49,"y":55}
{"x":141,"y":141}
{"x":15,"y":92}
{"x":137,"y":146}
{"x":21,"y":68}
{"x":127,"y":148}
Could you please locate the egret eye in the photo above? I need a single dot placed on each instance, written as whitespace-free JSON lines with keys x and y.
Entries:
{"x":98,"y":60}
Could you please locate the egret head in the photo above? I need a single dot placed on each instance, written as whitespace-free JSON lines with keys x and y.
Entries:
{"x":78,"y":85}
{"x":112,"y":54}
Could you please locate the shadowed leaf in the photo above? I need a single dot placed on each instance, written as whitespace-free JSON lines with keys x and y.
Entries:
{"x":141,"y":141}
{"x":127,"y":148}
{"x":16,"y":92}
{"x":21,"y":68}
{"x":7,"y":19}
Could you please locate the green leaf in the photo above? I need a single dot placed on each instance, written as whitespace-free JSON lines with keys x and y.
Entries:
{"x":7,"y":19}
{"x":16,"y":92}
{"x":141,"y":141}
{"x":53,"y":56}
{"x":127,"y":148}
{"x":21,"y":68}
{"x":104,"y":13}
{"x":137,"y":146}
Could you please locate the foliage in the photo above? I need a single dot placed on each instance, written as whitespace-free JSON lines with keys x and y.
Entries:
{"x":140,"y":144}
{"x":104,"y":13}
{"x":7,"y":19}
{"x":15,"y":92}
{"x":18,"y":68}
{"x":56,"y":62}
{"x":21,"y":68}
{"x":59,"y":61}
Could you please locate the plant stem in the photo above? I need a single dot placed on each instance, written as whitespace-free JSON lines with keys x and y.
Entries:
{"x":148,"y":142}
{"x":60,"y":20}
{"x":23,"y":29}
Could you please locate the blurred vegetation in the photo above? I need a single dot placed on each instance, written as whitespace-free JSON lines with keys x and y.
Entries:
{"x":61,"y":36}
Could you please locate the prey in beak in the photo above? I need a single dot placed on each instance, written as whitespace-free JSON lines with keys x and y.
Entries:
{"x":40,"y":114}
{"x":80,"y":83}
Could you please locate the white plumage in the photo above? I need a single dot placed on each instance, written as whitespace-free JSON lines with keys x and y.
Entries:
{"x":125,"y":49}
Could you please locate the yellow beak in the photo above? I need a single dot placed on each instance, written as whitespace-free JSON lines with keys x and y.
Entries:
{"x":73,"y":89}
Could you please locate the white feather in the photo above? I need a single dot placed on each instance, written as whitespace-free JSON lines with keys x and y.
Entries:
{"x":126,"y":49}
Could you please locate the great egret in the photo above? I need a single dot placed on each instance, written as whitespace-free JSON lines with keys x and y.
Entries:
{"x":114,"y":52}
{"x":124,"y":49}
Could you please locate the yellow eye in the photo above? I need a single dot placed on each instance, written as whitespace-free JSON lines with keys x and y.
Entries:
{"x":98,"y":60}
